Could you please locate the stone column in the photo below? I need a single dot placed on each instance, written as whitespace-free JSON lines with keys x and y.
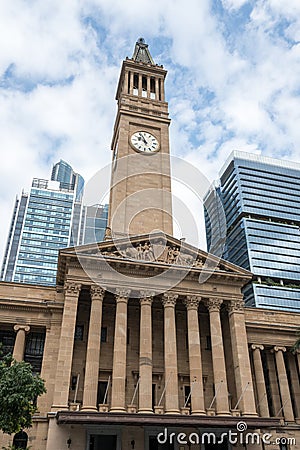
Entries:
{"x":273,"y":383}
{"x":93,"y":351}
{"x":125,"y":86}
{"x":145,"y":363}
{"x":140,"y":84}
{"x":283,"y":384}
{"x":119,"y":357}
{"x":170,"y":350}
{"x":148,"y":87}
{"x":262,"y":398}
{"x":19,"y":347}
{"x":66,"y":344}
{"x":218,"y":358}
{"x":295,"y":385}
{"x":195,"y":361}
{"x":241,"y":360}
{"x":50,"y":352}
{"x":131,"y":75}
{"x":162,"y":89}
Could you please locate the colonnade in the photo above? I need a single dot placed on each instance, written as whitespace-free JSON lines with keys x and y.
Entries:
{"x":284,"y":389}
{"x":241,"y":360}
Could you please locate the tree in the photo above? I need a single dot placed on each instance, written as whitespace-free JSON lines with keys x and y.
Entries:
{"x":296,"y":346}
{"x":19,"y":387}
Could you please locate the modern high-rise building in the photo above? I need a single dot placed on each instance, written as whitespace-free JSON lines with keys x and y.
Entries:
{"x":261,"y":202}
{"x":44,"y":220}
{"x":52,"y":216}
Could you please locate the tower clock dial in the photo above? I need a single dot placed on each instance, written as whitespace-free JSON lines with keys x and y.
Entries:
{"x":144,"y":142}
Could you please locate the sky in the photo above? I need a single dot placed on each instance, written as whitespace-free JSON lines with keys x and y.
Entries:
{"x":233,"y":82}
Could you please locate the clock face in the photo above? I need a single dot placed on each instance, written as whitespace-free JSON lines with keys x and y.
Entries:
{"x":144,"y":142}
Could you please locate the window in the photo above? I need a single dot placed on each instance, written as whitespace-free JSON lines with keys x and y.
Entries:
{"x":34,"y":350}
{"x":102,"y":392}
{"x":128,"y":336}
{"x":73,"y":382}
{"x":144,"y":87}
{"x":208,"y":343}
{"x":187,"y":391}
{"x":104,"y":334}
{"x":7,"y":339}
{"x":135,"y":84}
{"x":152,"y":88}
{"x":283,"y":446}
{"x":20,"y":440}
{"x":153,"y":395}
{"x":79,"y":333}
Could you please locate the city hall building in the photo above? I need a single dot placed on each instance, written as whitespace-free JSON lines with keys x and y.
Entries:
{"x":145,"y":342}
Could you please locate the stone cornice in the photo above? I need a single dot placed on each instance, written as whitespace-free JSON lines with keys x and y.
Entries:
{"x":27,"y":305}
{"x":163,"y":420}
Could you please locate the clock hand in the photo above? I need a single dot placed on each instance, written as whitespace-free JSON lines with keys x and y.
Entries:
{"x":143,"y":137}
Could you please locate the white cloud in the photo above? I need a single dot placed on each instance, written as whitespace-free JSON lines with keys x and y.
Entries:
{"x":233,"y":81}
{"x":233,"y":4}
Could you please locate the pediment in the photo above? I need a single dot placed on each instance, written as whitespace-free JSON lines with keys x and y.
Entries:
{"x":159,"y":249}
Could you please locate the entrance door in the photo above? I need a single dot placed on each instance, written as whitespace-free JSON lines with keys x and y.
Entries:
{"x":154,"y":445}
{"x":103,"y":442}
{"x":223,"y":446}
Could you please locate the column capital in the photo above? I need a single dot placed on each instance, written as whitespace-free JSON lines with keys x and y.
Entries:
{"x":18,"y":327}
{"x":169,"y":300}
{"x":257,"y":347}
{"x":236,"y":305}
{"x":146,"y":297}
{"x":122,"y":295}
{"x":192,"y":301}
{"x":97,"y":292}
{"x":72,"y":288}
{"x":147,"y":300}
{"x":277,"y":348}
{"x":214,"y":304}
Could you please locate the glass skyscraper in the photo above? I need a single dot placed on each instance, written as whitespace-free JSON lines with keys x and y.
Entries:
{"x":50,"y":217}
{"x":261,"y":202}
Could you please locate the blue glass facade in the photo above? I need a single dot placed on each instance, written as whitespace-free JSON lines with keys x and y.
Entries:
{"x":41,"y":225}
{"x":46,"y":229}
{"x":95,"y":223}
{"x":47,"y":219}
{"x":261,"y":201}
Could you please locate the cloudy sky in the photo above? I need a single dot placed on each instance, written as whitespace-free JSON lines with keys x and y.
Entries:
{"x":233,"y":81}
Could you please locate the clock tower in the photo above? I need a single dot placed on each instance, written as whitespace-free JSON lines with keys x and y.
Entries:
{"x":140,"y":193}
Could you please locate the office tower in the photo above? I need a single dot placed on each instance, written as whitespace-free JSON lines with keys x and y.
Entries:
{"x":93,"y":223}
{"x":45,"y":220}
{"x":261,"y":201}
{"x":67,"y":178}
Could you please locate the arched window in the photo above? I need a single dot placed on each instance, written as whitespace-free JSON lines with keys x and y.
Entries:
{"x":20,"y":440}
